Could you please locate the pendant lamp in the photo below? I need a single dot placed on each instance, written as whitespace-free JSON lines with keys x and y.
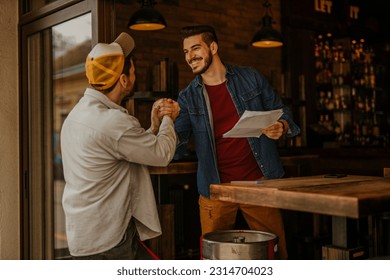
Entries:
{"x":147,"y":18}
{"x":267,"y":36}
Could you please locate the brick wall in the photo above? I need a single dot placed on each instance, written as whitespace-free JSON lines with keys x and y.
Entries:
{"x":235,"y":21}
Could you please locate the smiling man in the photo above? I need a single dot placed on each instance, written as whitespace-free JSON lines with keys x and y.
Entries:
{"x":210,"y":106}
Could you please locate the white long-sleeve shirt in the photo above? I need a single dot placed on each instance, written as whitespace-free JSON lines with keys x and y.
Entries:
{"x":105,"y":154}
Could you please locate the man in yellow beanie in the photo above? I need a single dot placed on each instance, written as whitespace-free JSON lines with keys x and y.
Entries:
{"x":108,"y":198}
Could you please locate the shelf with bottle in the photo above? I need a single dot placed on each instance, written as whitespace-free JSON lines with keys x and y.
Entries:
{"x":346,"y":98}
{"x":332,"y":61}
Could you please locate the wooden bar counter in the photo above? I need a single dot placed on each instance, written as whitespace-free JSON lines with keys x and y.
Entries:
{"x":348,"y":197}
{"x":174,"y":168}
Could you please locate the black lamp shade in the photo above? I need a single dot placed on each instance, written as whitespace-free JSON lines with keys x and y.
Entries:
{"x":147,"y":18}
{"x":267,"y":37}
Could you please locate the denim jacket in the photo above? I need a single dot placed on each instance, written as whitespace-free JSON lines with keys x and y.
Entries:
{"x":249,"y":90}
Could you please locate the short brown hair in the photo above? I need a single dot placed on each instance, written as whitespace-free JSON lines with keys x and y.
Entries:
{"x":207,"y":31}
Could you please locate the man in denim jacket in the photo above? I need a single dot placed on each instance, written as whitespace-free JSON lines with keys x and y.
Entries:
{"x":210,"y":106}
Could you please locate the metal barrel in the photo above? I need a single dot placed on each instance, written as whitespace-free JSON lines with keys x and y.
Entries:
{"x":239,"y":245}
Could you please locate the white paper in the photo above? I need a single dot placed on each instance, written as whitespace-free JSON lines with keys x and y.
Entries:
{"x":252,"y":122}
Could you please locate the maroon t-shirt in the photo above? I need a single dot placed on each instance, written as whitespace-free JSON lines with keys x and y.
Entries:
{"x":234,"y":155}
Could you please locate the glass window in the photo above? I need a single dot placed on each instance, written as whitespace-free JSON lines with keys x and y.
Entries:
{"x":71,"y":43}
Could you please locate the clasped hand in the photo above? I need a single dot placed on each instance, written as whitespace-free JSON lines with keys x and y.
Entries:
{"x":163,"y":107}
{"x":166,"y":107}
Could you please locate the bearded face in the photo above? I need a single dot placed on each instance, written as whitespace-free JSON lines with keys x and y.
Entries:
{"x":129,"y":90}
{"x":197,"y":54}
{"x":199,"y":65}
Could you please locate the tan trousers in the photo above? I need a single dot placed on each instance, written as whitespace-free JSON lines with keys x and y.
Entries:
{"x":220,"y":215}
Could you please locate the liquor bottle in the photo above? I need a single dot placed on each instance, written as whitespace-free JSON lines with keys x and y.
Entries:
{"x":371,"y":76}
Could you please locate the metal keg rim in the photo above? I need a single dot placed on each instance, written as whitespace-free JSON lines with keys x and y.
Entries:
{"x":210,"y":236}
